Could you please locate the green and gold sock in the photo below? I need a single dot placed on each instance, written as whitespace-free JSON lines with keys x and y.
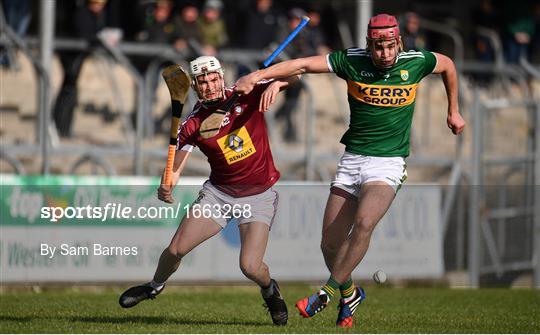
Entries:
{"x":347,"y":289}
{"x":330,"y":288}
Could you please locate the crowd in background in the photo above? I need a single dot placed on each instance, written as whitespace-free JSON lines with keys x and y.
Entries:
{"x":516,"y":22}
{"x":206,"y":26}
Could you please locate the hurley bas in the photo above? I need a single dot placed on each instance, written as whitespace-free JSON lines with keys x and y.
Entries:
{"x":78,"y":250}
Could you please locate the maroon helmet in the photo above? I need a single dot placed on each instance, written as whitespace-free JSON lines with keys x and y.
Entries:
{"x":383,"y":27}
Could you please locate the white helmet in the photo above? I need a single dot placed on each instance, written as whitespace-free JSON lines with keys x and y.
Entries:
{"x":205,"y":65}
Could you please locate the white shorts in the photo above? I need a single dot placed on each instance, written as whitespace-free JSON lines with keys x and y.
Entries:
{"x":355,"y":170}
{"x":222,"y":207}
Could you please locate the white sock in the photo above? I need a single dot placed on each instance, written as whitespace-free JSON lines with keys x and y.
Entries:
{"x":350,"y":298}
{"x":156,"y":286}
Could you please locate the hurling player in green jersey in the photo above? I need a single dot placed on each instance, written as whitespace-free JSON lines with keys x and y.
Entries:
{"x":381,"y":87}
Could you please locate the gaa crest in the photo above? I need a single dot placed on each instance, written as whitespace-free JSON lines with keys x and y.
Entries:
{"x":404,"y":74}
{"x":238,"y":109}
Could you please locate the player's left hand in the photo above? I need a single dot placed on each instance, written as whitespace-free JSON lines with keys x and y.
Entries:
{"x":244,"y":85}
{"x":455,"y":122}
{"x":269,"y":95}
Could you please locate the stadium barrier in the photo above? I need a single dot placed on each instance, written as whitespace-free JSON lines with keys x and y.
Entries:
{"x":40,"y":213}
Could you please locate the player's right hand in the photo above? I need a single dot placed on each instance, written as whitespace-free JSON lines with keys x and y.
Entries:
{"x":165,"y":193}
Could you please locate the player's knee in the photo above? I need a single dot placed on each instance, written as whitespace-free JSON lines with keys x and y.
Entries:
{"x":364,"y":227}
{"x":249,"y":268}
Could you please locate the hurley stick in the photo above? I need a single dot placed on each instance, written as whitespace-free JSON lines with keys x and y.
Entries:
{"x":212,"y":124}
{"x":178,"y":82}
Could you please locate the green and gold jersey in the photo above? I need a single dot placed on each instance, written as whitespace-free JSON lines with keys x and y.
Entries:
{"x":381,"y":101}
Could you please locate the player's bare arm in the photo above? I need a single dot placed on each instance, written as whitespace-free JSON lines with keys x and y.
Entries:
{"x":446,"y":68}
{"x":314,"y":64}
{"x":269,"y":95}
{"x":165,"y":191}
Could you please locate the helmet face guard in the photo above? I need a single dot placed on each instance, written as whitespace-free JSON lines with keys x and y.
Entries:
{"x":202,"y":66}
{"x":383,"y":27}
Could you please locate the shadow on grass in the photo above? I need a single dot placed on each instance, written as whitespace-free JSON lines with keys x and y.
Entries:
{"x":136,"y":319}
{"x":15,"y":318}
{"x":162,"y":320}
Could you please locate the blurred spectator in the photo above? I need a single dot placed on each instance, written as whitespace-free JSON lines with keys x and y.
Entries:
{"x":412,"y":36}
{"x":159,"y":27}
{"x":485,"y":16}
{"x":88,"y":21}
{"x":212,"y":27}
{"x":519,"y":28}
{"x":534,"y":52}
{"x":304,"y":44}
{"x":262,"y":25}
{"x":316,"y":31}
{"x":17,"y":14}
{"x":189,"y":32}
{"x":261,"y":29}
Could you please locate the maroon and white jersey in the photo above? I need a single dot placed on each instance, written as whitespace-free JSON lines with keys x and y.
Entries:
{"x":239,"y":155}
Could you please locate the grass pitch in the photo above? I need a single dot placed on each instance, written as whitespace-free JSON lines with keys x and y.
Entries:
{"x":239,"y":310}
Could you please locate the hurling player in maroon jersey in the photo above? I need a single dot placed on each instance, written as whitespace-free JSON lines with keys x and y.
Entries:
{"x":240,"y":183}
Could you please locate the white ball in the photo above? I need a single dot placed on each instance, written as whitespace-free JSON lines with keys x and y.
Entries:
{"x":379,"y":277}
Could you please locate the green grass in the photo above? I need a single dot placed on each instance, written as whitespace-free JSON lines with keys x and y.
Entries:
{"x":239,"y":310}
